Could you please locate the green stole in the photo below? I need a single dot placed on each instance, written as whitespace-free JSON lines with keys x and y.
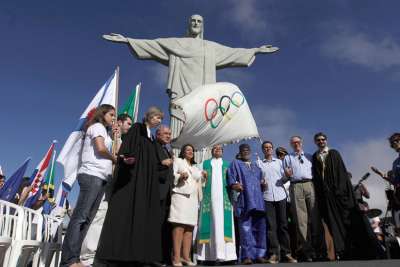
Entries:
{"x":205,"y":212}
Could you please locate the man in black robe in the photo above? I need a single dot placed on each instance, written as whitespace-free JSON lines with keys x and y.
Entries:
{"x":165,"y":176}
{"x":131,"y":232}
{"x":352,"y":235}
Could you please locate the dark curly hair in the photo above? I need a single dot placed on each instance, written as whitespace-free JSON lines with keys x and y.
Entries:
{"x":182,"y":153}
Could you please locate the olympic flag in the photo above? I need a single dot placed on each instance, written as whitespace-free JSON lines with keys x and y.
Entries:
{"x":215,"y":113}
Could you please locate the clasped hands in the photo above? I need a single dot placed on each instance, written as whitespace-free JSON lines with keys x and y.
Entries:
{"x":238,"y":187}
{"x":128,"y":160}
{"x":167,"y":162}
{"x":184,"y":176}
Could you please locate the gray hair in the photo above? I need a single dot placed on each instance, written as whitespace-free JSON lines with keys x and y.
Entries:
{"x":151,"y":112}
{"x":162,"y":127}
{"x":296,"y":136}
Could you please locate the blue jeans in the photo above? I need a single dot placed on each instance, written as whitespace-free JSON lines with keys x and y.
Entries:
{"x":90,"y":195}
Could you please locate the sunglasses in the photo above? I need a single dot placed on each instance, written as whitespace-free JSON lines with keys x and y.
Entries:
{"x":301,"y":159}
{"x":320,"y":139}
{"x":396,"y":141}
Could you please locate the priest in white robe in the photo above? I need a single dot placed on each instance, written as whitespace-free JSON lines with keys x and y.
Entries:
{"x":216,"y":237}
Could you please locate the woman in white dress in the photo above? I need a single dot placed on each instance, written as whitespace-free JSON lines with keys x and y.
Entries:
{"x":186,"y":195}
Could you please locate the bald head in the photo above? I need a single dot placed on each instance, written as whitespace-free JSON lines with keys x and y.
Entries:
{"x":163,"y":134}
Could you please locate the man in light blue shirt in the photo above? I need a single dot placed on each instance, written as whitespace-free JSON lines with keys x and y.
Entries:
{"x":275,"y":204}
{"x":297,"y":166}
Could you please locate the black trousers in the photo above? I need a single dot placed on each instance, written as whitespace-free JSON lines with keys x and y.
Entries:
{"x":166,"y":230}
{"x":277,"y":223}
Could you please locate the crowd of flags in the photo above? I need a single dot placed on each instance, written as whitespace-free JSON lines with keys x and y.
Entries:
{"x":43,"y":177}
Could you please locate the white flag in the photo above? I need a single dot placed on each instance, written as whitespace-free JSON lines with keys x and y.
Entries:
{"x":71,"y":152}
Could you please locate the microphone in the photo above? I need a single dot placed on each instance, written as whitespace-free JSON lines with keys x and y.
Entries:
{"x":365,"y":177}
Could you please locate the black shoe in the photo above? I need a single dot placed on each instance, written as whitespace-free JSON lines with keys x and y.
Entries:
{"x":305,"y":259}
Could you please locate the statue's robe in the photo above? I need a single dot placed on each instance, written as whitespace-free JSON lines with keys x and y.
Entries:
{"x":191,"y":62}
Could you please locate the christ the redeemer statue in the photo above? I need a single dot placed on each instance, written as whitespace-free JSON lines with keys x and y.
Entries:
{"x":192,"y":61}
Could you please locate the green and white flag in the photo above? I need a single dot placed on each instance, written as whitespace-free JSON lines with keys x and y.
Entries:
{"x":49,"y":185}
{"x":131,"y":107}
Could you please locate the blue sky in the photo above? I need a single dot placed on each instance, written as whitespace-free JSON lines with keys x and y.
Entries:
{"x":337,"y":71}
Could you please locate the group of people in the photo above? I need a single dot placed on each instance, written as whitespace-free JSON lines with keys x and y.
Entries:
{"x":246,"y":210}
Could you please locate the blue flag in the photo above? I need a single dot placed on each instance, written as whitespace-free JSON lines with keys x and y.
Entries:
{"x":11,"y":187}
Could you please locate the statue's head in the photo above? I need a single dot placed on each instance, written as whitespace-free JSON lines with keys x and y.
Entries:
{"x":196,"y":26}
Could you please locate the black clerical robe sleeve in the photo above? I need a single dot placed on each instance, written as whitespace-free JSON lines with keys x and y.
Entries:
{"x":130,"y":142}
{"x":343,"y":189}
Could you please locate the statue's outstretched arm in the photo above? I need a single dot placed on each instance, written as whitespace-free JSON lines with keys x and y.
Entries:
{"x":266,"y":49}
{"x":115,"y":37}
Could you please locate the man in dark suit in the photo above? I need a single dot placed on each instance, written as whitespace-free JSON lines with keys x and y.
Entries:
{"x":165,"y":178}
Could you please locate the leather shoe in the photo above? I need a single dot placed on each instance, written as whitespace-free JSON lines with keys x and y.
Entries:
{"x":247,"y":261}
{"x":273,"y":259}
{"x":261,"y":260}
{"x":290,"y":259}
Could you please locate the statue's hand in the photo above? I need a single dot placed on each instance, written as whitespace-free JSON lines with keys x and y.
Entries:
{"x":115,"y":37}
{"x":267,"y":49}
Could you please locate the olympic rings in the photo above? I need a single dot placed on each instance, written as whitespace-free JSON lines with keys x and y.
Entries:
{"x":215,"y":113}
{"x":240,"y":95}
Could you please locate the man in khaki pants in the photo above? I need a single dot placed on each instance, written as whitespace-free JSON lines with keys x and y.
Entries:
{"x":297,"y":167}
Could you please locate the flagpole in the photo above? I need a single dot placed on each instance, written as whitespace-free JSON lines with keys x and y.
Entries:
{"x":114,"y":147}
{"x":137,"y":97}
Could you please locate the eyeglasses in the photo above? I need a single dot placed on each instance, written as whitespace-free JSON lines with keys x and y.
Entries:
{"x":301,"y":159}
{"x":320,"y":140}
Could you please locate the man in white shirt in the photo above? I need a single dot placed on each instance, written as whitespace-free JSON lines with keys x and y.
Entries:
{"x":297,"y":166}
{"x":275,"y":205}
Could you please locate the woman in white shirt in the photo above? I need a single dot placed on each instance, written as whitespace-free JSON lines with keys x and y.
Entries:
{"x":186,"y":195}
{"x":94,"y":172}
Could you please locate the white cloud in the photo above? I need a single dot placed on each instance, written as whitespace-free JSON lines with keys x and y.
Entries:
{"x":247,"y":15}
{"x":254,"y":20}
{"x":357,"y":47}
{"x":359,"y":156}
